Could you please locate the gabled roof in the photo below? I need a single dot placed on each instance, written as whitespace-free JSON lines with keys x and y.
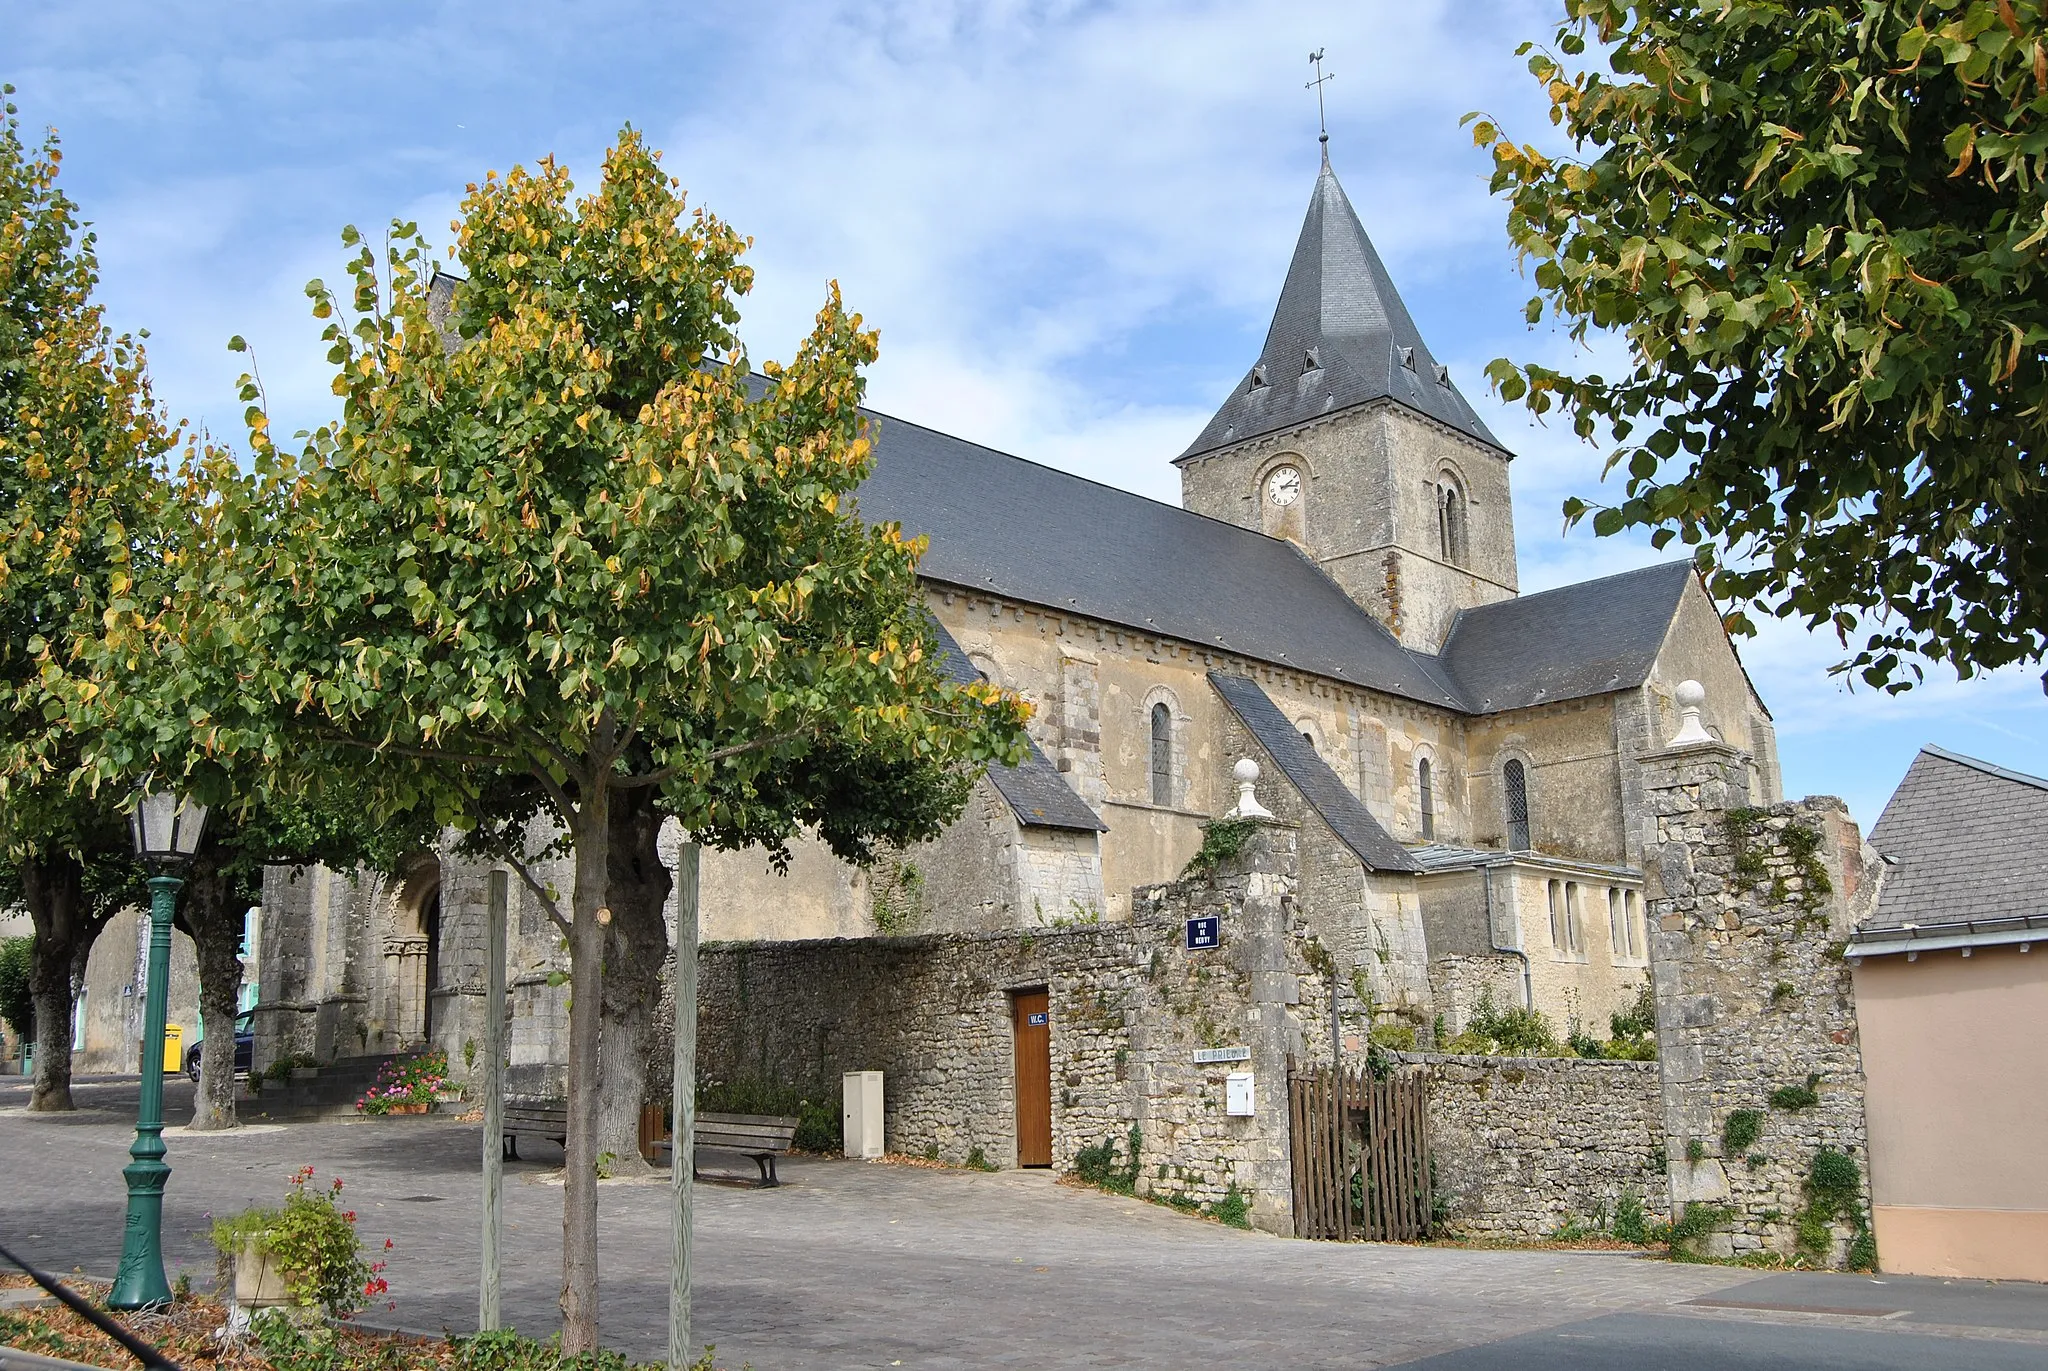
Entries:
{"x":1963,"y":840}
{"x":1340,"y":337}
{"x":1033,"y":788}
{"x":1578,"y":640}
{"x":1305,"y":769}
{"x":1003,"y":526}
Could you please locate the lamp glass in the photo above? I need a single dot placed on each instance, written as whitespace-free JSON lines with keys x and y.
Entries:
{"x":167,"y":825}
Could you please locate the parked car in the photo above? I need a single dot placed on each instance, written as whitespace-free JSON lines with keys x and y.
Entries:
{"x":245,"y":1048}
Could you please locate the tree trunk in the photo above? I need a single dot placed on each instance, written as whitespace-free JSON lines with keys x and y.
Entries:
{"x":635,"y":946}
{"x":590,"y":832}
{"x":53,"y":888}
{"x":213,"y":916}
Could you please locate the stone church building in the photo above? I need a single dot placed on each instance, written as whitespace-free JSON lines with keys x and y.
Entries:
{"x":1335,"y":598}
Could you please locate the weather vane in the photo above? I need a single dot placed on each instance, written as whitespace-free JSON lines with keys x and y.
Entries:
{"x":1316,"y":60}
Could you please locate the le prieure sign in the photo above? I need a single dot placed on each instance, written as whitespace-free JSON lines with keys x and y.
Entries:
{"x":1210,"y":1056}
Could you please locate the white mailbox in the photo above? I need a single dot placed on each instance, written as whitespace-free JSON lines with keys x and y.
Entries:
{"x":861,"y":1113}
{"x":1237,"y":1094}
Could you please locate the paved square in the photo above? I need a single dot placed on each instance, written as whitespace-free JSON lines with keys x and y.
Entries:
{"x":849,"y":1264}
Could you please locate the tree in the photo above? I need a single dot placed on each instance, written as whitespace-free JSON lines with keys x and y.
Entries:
{"x":81,"y":496}
{"x":1820,"y":228}
{"x":559,"y":548}
{"x":17,"y":1007}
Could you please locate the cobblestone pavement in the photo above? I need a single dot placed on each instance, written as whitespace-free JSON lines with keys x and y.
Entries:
{"x":859,"y":1265}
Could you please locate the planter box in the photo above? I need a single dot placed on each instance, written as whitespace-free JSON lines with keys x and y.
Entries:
{"x":407,"y":1109}
{"x":259,"y":1283}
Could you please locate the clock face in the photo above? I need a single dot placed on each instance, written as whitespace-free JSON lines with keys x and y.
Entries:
{"x":1283,"y":487}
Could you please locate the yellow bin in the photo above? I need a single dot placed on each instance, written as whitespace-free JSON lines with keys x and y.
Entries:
{"x":174,"y":1044}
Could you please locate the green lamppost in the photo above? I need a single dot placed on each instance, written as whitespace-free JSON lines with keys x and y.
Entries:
{"x":167,"y":830}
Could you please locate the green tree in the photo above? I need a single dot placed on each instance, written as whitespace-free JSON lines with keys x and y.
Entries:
{"x":551,"y":544}
{"x":82,"y":447}
{"x":17,"y":1007}
{"x":1820,"y":228}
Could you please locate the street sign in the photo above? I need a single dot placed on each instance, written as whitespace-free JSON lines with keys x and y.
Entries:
{"x":1204,"y":933}
{"x":1210,"y":1056}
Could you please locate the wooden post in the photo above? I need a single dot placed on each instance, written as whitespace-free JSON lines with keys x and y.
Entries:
{"x":494,"y":1097}
{"x":683,"y":1105}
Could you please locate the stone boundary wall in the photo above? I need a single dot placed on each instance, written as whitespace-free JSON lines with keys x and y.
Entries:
{"x":1747,"y":911}
{"x":1129,"y":1006}
{"x":1524,"y":1144}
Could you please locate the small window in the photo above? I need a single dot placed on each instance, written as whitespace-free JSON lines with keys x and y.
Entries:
{"x":1258,"y":378}
{"x":1162,"y":755}
{"x":1309,"y":738}
{"x":1515,"y":784}
{"x":1425,"y":791}
{"x":1633,"y":920}
{"x":1617,"y":922}
{"x":1573,"y":941}
{"x":1557,"y":933}
{"x":1311,"y":360}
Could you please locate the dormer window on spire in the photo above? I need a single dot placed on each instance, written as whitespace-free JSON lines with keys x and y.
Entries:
{"x":1312,"y":360}
{"x":1258,"y":377}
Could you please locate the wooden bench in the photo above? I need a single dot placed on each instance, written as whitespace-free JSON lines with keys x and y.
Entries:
{"x":761,"y":1138}
{"x":536,"y":1119}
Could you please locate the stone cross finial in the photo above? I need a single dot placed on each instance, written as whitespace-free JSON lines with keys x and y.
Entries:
{"x":1248,"y":807}
{"x":1691,"y":696}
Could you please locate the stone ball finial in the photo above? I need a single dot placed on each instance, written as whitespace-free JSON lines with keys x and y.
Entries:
{"x":1248,"y":807}
{"x":1691,"y":697}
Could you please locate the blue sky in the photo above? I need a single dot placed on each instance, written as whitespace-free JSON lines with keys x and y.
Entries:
{"x":1069,"y":221}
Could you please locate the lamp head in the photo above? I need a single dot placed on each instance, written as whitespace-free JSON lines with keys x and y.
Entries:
{"x":167,"y":827}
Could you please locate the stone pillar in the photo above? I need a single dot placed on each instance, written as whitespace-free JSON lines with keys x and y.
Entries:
{"x":1756,"y":1030}
{"x":1272,"y":866}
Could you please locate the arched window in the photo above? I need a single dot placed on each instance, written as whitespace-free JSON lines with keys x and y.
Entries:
{"x":1162,"y":755}
{"x":1632,"y":919}
{"x":1450,"y":519}
{"x":1515,"y":783}
{"x":1557,"y":933}
{"x":1426,"y":792}
{"x":1617,"y":923}
{"x":1572,"y":937}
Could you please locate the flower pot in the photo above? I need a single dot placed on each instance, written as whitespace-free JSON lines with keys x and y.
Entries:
{"x":259,"y":1281}
{"x":408,"y":1109}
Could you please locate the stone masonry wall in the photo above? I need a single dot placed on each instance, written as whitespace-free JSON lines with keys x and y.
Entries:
{"x":1129,"y":1007}
{"x":1747,"y":909}
{"x":1523,"y":1144}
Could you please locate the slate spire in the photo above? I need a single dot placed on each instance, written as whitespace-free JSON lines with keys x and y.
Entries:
{"x":1340,"y":337}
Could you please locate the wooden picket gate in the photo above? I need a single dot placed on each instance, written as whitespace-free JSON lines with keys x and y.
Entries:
{"x":1361,"y":1155}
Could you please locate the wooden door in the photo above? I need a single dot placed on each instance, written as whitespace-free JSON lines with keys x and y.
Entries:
{"x":1031,"y":1023}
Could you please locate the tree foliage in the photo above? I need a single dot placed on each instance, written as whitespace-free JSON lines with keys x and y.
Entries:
{"x":82,"y":452}
{"x":555,"y":547}
{"x":1820,"y":228}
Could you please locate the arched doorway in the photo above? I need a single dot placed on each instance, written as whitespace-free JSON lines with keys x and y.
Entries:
{"x":412,"y":954}
{"x":430,"y":929}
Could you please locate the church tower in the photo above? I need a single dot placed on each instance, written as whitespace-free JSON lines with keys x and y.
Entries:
{"x":1348,"y":438}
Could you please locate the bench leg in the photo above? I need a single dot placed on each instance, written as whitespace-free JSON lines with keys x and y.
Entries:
{"x":512,"y":1147}
{"x":766,"y":1162}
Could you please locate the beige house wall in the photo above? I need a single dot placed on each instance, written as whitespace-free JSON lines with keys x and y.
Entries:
{"x":1957,"y":1108}
{"x":114,"y":987}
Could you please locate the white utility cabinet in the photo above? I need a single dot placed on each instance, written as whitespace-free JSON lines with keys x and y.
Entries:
{"x":861,"y":1113}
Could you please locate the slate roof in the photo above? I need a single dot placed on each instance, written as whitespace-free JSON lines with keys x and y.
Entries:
{"x":1305,"y":769}
{"x":1964,"y":840}
{"x":1034,"y":789}
{"x":1340,"y":337}
{"x":1577,"y":640}
{"x":1002,"y":525}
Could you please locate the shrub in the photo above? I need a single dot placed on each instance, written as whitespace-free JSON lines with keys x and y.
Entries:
{"x":1743,"y":1127}
{"x":1097,"y":1165}
{"x":1222,"y":841}
{"x":1631,"y":1224}
{"x":1514,"y":1031}
{"x":1398,"y":1037}
{"x":1793,"y":1097}
{"x":977,"y":1160}
{"x":282,"y":1068}
{"x":819,"y":1127}
{"x":1234,"y":1209}
{"x":412,"y":1081}
{"x":313,"y":1241}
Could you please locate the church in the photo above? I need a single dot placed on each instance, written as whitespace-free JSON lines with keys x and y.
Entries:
{"x":1335,"y":599}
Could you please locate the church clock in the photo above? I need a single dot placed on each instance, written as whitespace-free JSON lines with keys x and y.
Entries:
{"x":1283,"y":486}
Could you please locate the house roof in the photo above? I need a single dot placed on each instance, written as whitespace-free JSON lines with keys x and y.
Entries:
{"x":1003,"y":526}
{"x":1963,"y":840}
{"x":1034,"y":789}
{"x":1305,"y":769}
{"x":1578,"y":640}
{"x":1340,"y":337}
